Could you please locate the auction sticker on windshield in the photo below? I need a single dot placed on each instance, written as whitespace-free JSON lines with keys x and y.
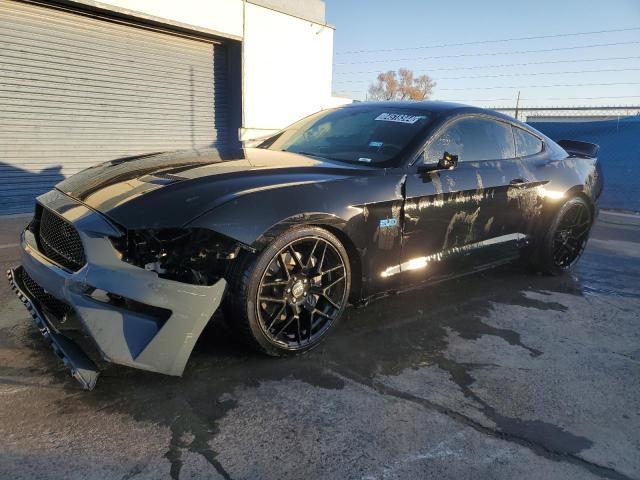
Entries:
{"x":399,"y":117}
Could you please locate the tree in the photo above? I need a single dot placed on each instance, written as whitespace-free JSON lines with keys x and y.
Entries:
{"x":401,"y":86}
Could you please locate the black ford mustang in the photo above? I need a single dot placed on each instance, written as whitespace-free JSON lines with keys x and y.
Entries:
{"x":127,"y":261}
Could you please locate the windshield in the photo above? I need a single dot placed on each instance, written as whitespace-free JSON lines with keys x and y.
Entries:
{"x":371,"y":135}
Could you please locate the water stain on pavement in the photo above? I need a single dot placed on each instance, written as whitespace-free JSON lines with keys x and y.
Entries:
{"x":549,"y":437}
{"x":418,"y":336}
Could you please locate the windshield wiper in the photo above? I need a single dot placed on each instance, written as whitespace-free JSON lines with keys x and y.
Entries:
{"x":301,"y":152}
{"x":312,"y":154}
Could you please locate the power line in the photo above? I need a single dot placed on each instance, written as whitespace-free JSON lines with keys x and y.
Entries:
{"x":630,"y":109}
{"x":510,"y":99}
{"x":524,"y":86}
{"x":579,"y":108}
{"x":587,"y":98}
{"x":502,"y":65}
{"x":538,"y":99}
{"x":514,"y":74}
{"x":542,"y":86}
{"x":484,"y":42}
{"x":485,"y":54}
{"x":544,"y":73}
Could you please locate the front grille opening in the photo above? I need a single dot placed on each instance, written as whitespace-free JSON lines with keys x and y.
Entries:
{"x":48,"y":302}
{"x":59,"y":241}
{"x":61,"y":317}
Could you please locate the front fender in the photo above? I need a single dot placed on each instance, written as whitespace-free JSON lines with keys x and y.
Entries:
{"x":310,"y":218}
{"x":254,"y":218}
{"x":256,"y":227}
{"x":356,"y":207}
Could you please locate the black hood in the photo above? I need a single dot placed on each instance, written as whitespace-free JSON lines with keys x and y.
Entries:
{"x":170,"y":189}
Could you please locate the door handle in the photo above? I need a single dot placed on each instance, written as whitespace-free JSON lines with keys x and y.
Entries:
{"x":517,"y":181}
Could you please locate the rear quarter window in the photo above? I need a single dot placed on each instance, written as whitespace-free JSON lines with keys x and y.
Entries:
{"x":526,"y":144}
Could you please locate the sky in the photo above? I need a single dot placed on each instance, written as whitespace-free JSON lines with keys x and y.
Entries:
{"x":413,"y":32}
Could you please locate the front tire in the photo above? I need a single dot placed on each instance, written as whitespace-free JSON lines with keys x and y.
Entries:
{"x":287,"y":298}
{"x":562,"y":245}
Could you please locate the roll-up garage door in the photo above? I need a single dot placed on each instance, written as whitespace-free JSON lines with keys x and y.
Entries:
{"x":77,"y":89}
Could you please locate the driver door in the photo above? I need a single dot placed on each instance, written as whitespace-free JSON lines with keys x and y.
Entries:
{"x":460,"y":219}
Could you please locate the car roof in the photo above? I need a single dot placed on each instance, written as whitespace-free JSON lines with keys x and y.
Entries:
{"x":434,"y":107}
{"x":425,"y":105}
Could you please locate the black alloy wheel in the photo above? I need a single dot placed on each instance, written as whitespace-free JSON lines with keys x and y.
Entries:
{"x":291,"y":294}
{"x":301,"y":293}
{"x":560,"y":246}
{"x":570,"y":238}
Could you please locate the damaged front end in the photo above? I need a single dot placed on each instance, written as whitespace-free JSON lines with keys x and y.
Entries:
{"x":196,"y":256}
{"x":139,"y":298}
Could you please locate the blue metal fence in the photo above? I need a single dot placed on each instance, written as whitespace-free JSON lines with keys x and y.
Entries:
{"x":619,"y":141}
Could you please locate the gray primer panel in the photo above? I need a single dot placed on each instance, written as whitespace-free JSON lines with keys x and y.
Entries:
{"x":192,"y":305}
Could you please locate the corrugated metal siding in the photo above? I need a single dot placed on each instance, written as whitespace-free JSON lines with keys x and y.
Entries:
{"x":77,"y":90}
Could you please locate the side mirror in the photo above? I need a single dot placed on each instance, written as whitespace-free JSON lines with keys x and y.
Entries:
{"x":447,"y":162}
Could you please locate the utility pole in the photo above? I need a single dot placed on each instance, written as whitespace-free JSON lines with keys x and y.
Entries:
{"x":517,"y":104}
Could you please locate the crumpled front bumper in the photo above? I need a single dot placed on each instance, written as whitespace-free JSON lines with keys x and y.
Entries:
{"x":131,"y":337}
{"x":81,"y":367}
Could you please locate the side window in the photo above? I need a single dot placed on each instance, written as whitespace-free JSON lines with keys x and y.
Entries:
{"x":473,"y":139}
{"x":526,"y":144}
{"x":449,"y":141}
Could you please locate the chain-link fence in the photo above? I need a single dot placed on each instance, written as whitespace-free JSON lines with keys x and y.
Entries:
{"x":615,"y":129}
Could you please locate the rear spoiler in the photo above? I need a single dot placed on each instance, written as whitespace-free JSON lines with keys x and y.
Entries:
{"x":583,"y":149}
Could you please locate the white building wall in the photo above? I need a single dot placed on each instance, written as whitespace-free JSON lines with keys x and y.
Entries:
{"x":336,"y":101}
{"x":287,"y":69}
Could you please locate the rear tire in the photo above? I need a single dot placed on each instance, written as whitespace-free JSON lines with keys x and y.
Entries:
{"x":287,"y":298}
{"x":559,"y":248}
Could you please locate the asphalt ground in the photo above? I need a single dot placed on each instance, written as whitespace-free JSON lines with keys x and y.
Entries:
{"x":502,"y":374}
